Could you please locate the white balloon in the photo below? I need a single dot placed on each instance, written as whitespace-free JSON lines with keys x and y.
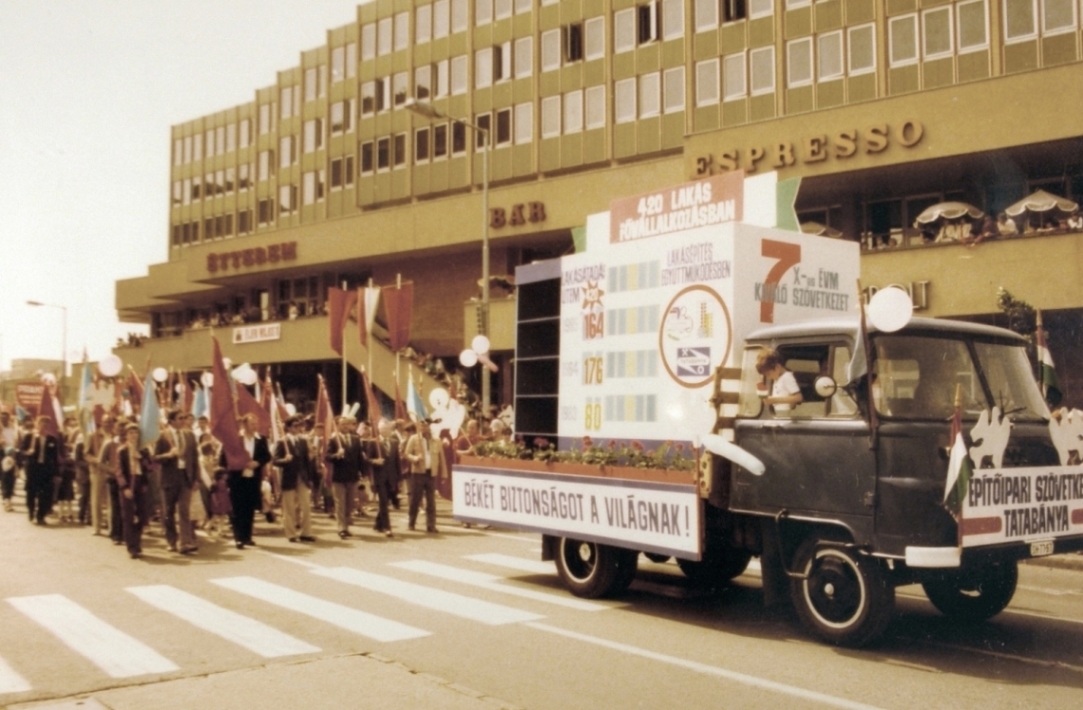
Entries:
{"x":290,"y":409}
{"x":438,"y":398}
{"x":207,"y":378}
{"x":110,"y":366}
{"x":160,"y":374}
{"x":480,"y":344}
{"x":248,"y":377}
{"x":890,"y":309}
{"x":468,"y":358}
{"x":179,"y":389}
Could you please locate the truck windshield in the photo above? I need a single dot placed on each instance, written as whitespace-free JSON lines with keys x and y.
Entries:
{"x":917,"y":377}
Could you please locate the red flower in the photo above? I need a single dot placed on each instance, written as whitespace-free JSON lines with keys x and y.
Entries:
{"x":612,"y":445}
{"x":637,"y":446}
{"x":587,"y":442}
{"x":541,"y":442}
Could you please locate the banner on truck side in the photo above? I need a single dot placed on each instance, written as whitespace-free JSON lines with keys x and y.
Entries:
{"x":1024,"y":504}
{"x":642,"y":515}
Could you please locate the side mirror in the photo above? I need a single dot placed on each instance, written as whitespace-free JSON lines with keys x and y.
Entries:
{"x":825,"y":386}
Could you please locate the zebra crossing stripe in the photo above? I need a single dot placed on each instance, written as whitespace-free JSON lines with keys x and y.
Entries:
{"x":493,"y":583}
{"x":430,"y":598}
{"x":115,"y":652}
{"x":10,"y":681}
{"x":355,"y":620}
{"x":516,"y":563}
{"x":256,"y":636}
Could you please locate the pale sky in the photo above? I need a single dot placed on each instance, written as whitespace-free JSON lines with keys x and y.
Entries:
{"x":88,"y":92}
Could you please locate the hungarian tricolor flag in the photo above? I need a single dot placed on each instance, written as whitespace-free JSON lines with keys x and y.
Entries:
{"x":960,"y":468}
{"x":224,"y":414}
{"x":1047,"y":374}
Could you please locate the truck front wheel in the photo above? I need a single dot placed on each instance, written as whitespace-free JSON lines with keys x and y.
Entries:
{"x":973,"y":596}
{"x":841,"y":596}
{"x":591,"y":570}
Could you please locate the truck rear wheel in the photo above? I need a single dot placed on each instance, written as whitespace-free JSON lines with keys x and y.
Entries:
{"x":842,"y":597}
{"x":973,"y":596}
{"x":591,"y":570}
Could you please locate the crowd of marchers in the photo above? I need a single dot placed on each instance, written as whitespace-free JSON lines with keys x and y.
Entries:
{"x":118,"y":485}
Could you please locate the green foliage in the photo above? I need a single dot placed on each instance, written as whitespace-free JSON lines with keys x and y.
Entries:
{"x":1020,"y":313}
{"x":634,"y":455}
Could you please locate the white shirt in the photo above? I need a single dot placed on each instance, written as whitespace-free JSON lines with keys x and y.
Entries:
{"x":784,"y":386}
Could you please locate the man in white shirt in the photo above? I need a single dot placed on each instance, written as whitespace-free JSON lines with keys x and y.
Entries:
{"x":785,"y":392}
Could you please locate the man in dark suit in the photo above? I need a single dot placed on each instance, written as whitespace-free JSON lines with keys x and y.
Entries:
{"x":134,"y":490}
{"x":244,"y":484}
{"x":41,"y":452}
{"x":347,"y":454}
{"x":178,"y":455}
{"x":385,"y":473}
{"x":292,"y":455}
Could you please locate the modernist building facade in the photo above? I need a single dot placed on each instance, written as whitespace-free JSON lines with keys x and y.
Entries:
{"x":882,"y":107}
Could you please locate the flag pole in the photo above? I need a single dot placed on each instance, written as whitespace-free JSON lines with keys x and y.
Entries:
{"x":368,"y":343}
{"x":345,"y":395}
{"x":398,"y":286}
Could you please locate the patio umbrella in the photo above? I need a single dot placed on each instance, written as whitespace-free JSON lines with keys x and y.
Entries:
{"x":819,"y":230}
{"x":947,"y":210}
{"x":1044,"y":202}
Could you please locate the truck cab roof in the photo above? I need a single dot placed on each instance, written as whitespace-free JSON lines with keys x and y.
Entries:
{"x":850,"y":327}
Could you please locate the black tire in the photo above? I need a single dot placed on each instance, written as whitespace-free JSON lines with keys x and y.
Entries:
{"x":656,"y":557}
{"x":588,"y":569}
{"x":842,"y":597}
{"x":719,"y":565}
{"x":974,"y":596}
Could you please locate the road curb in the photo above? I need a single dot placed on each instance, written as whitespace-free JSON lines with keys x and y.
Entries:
{"x":1072,"y":561}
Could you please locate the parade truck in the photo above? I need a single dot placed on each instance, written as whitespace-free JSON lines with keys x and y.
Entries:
{"x":921,"y":450}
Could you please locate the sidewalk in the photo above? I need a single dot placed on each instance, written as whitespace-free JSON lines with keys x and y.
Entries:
{"x":368,"y":680}
{"x":1070,"y":561}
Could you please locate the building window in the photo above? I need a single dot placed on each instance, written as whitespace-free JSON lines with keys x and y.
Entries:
{"x":458,"y":16}
{"x":287,"y":199}
{"x":287,"y":152}
{"x":368,"y":98}
{"x":706,"y":15}
{"x":285,"y":102}
{"x":707,"y":87}
{"x":799,"y":62}
{"x":341,"y":172}
{"x":793,"y":4}
{"x":972,"y":26}
{"x":458,"y":138}
{"x":573,"y":112}
{"x":443,"y":80}
{"x":484,"y":121}
{"x":624,"y":30}
{"x":264,"y":119}
{"x":483,"y":68}
{"x":197,"y":146}
{"x":502,"y":62}
{"x":338,"y":64}
{"x":936,"y":33}
{"x":524,"y":123}
{"x":439,"y":141}
{"x":672,"y":19}
{"x":246,"y":132}
{"x":244,"y":176}
{"x":421,"y":145}
{"x":550,"y":50}
{"x":458,"y":75}
{"x":550,"y":117}
{"x":829,"y":55}
{"x":308,"y":188}
{"x":594,"y":38}
{"x":762,"y":61}
{"x":178,"y":192}
{"x":1058,"y":16}
{"x":231,"y":138}
{"x":266,"y":209}
{"x":503,"y":9}
{"x":341,"y":118}
{"x":383,"y":154}
{"x":1020,"y":20}
{"x":311,"y":82}
{"x":861,"y":41}
{"x":595,"y":107}
{"x":647,"y":29}
{"x":522,"y":6}
{"x":524,"y":57}
{"x":673,"y":90}
{"x":573,"y":42}
{"x":384,"y":36}
{"x":244,"y":221}
{"x":402,"y":31}
{"x":401,"y":87}
{"x":368,"y":42}
{"x":399,"y":151}
{"x":503,"y":127}
{"x":483,"y":12}
{"x":733,"y":77}
{"x":440,"y":19}
{"x":903,"y":40}
{"x":313,"y":135}
{"x":423,"y":24}
{"x":368,"y":163}
{"x":649,"y":94}
{"x":422,"y":82}
{"x":624,"y":96}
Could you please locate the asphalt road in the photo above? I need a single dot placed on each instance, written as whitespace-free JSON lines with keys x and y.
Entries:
{"x":473,"y":619}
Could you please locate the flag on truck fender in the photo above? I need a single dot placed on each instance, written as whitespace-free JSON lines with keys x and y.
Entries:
{"x":224,"y":414}
{"x":960,"y":468}
{"x":1047,"y":373}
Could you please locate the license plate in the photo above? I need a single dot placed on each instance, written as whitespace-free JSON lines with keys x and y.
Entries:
{"x":1041,"y":548}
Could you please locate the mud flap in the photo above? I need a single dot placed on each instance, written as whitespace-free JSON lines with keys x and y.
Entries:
{"x":776,"y":583}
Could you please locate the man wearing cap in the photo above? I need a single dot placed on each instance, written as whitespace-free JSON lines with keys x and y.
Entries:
{"x":346,"y":452}
{"x":292,"y":455}
{"x":427,"y":462}
{"x":176,"y":451}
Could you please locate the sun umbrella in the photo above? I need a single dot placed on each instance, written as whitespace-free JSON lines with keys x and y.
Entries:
{"x":819,"y":230}
{"x":1044,"y":202}
{"x":947,"y":210}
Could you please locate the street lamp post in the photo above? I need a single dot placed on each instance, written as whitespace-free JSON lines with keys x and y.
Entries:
{"x":427,"y":110}
{"x":62,"y":380}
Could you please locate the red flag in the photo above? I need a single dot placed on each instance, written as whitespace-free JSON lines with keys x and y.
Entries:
{"x":325,"y":416}
{"x":341,"y":303}
{"x":224,"y":415}
{"x":247,"y":404}
{"x":400,"y":405}
{"x":49,"y":409}
{"x":372,"y":405}
{"x":399,"y":306}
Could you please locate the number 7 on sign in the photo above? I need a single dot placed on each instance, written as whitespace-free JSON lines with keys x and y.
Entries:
{"x":788,"y":255}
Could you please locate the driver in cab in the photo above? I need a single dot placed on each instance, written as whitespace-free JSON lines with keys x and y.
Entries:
{"x":785,"y":393}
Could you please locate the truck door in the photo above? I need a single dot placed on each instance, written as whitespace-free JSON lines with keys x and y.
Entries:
{"x":817,"y":457}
